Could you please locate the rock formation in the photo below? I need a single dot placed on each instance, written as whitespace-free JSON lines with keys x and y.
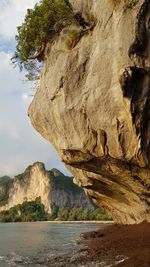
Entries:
{"x":93,"y":105}
{"x":55,"y":189}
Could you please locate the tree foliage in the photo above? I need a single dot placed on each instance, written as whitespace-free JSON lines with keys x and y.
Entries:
{"x":28,"y":211}
{"x":79,"y":214}
{"x":40,"y":25}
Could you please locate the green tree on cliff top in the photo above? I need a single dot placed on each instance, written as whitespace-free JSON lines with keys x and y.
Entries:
{"x":40,"y":25}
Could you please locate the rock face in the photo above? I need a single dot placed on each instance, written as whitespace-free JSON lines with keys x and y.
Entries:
{"x":54,"y":188}
{"x":93,"y":105}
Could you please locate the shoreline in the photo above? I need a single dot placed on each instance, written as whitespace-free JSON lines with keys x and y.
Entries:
{"x":113,"y":245}
{"x":82,"y":222}
{"x":108,"y":244}
{"x":65,"y":222}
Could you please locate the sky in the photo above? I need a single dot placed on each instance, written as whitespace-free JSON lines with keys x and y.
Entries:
{"x":20,"y":144}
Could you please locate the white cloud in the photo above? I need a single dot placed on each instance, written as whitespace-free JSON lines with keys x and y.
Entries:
{"x":20,"y":144}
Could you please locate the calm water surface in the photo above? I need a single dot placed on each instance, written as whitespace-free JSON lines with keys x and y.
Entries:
{"x":32,"y":244}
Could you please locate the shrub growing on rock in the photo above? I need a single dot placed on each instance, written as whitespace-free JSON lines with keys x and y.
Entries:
{"x":40,"y":25}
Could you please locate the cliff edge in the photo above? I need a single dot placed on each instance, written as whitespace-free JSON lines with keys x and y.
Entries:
{"x":93,"y":105}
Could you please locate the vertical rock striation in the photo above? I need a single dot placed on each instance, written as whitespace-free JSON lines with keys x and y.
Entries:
{"x":93,"y":106}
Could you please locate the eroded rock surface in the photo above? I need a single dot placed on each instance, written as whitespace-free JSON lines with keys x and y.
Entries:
{"x":93,"y":105}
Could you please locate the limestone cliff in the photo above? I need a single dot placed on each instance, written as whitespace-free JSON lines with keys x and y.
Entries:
{"x":54,"y":188}
{"x":93,"y":105}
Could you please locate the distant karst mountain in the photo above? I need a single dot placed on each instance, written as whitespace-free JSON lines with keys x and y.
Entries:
{"x":54,"y":188}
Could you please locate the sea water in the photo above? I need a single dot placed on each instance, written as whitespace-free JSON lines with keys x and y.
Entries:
{"x":34,"y":244}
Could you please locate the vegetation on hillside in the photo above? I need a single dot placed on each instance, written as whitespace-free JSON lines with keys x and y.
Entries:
{"x":5,"y":186}
{"x":40,"y":25}
{"x":80,"y":214}
{"x":27,"y":212}
{"x":32,"y":211}
{"x":65,"y":183}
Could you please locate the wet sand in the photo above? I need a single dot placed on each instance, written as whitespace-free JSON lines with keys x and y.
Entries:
{"x":115,"y":245}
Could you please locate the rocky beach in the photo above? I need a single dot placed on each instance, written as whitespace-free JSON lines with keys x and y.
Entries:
{"x":114,"y":245}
